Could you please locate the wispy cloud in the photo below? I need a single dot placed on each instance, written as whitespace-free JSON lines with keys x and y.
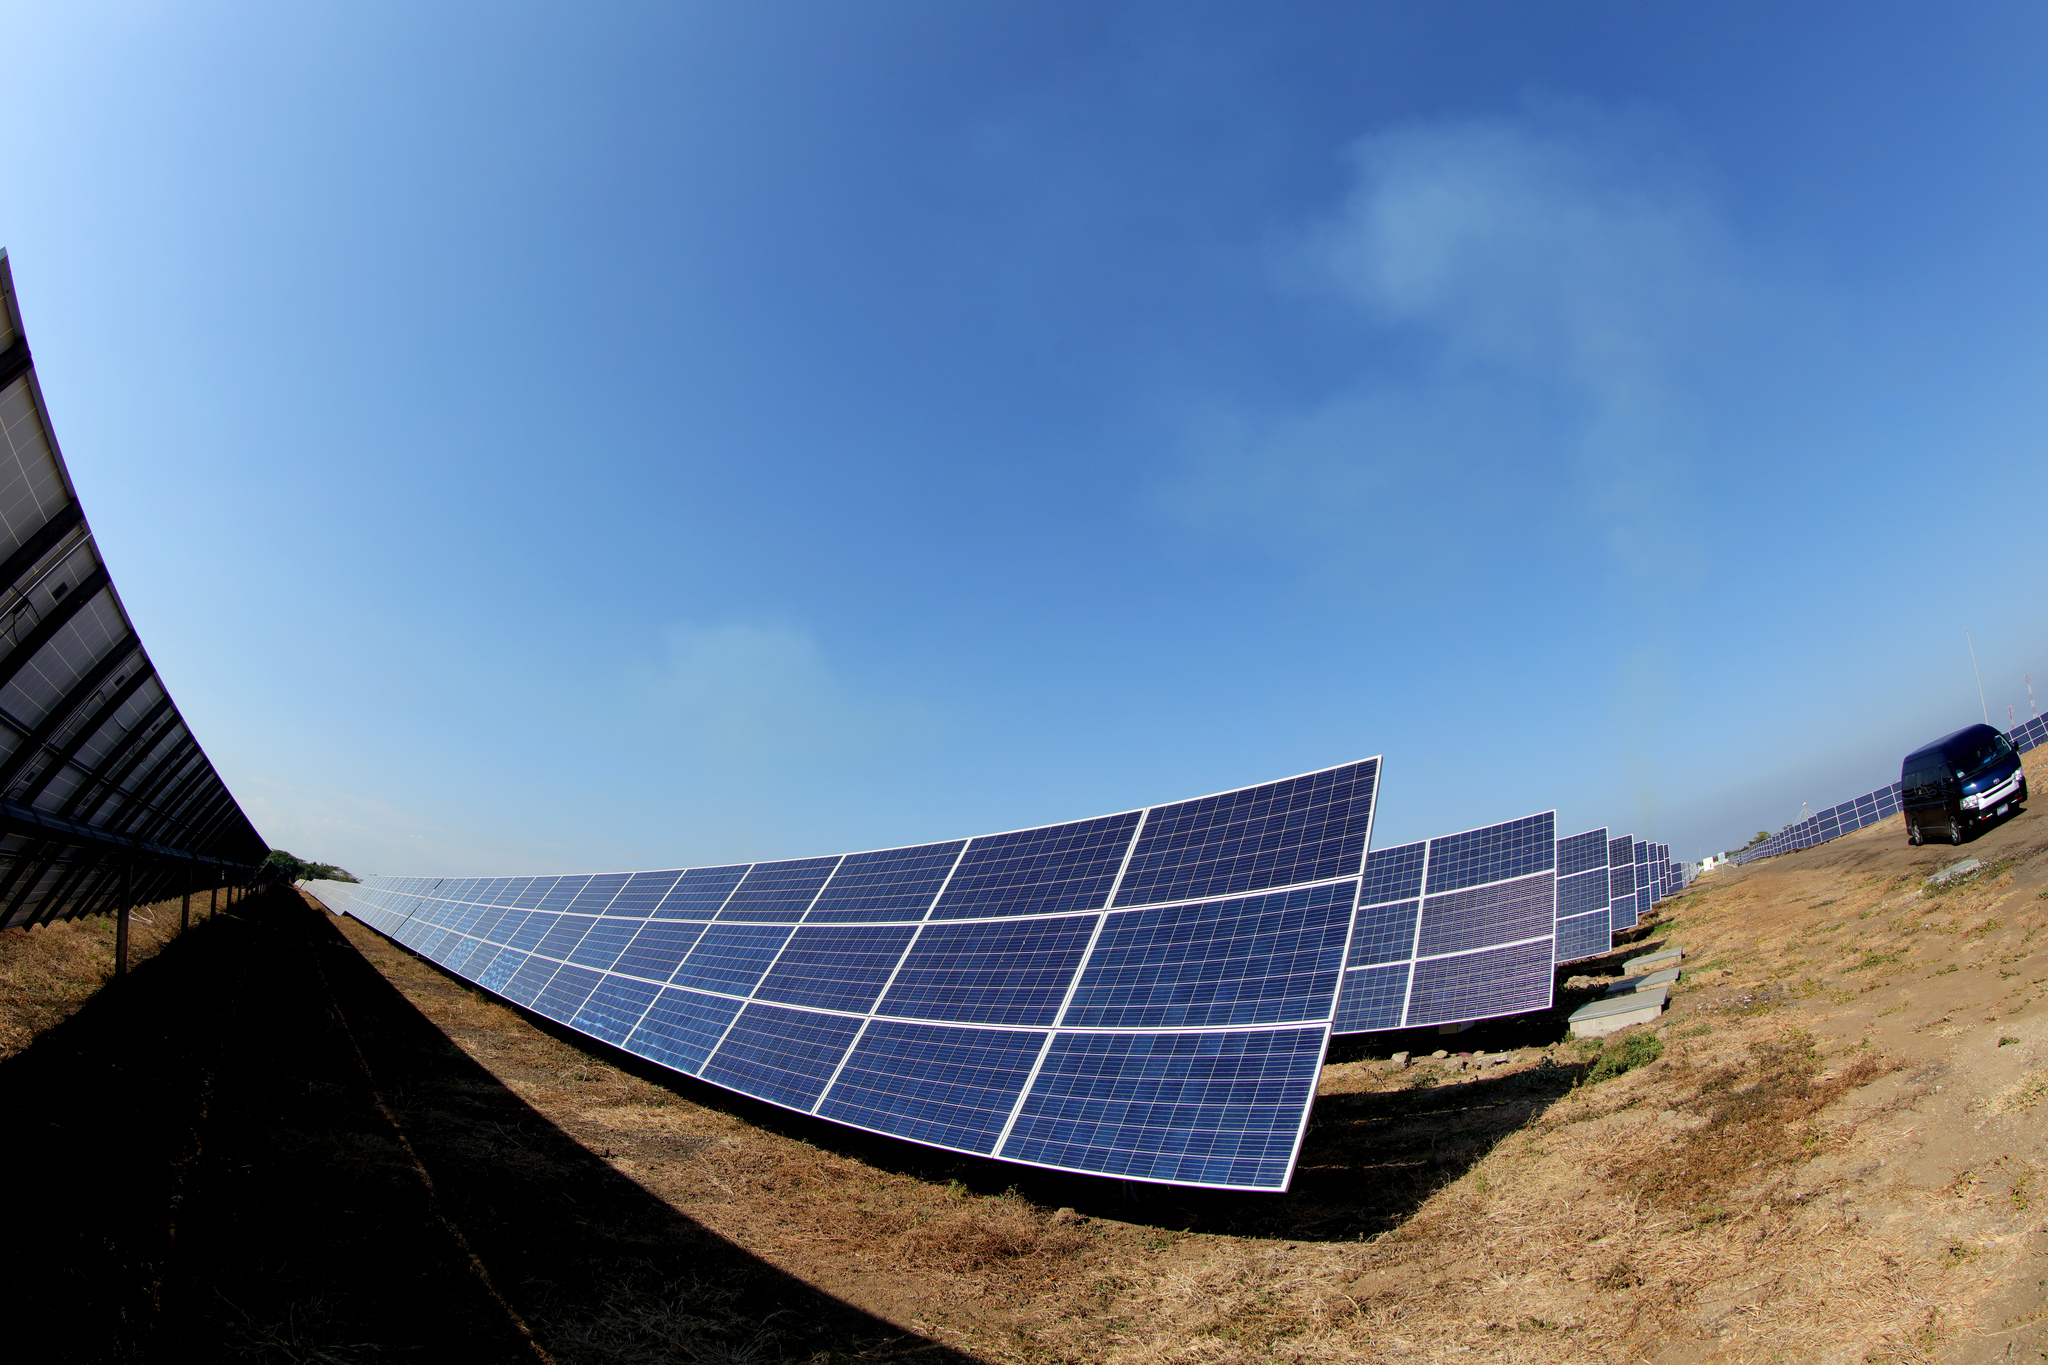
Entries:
{"x":1530,"y":293}
{"x":751,"y":694}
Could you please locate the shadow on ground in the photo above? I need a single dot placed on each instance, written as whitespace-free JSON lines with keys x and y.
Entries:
{"x":255,"y":1148}
{"x":1368,"y":1162}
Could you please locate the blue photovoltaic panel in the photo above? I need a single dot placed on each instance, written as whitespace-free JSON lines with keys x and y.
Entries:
{"x":1582,"y":852}
{"x":657,"y":949}
{"x":1495,"y":853}
{"x":1621,"y":854}
{"x":1304,"y":829}
{"x":1384,"y":933}
{"x":781,"y":1054}
{"x":531,"y":930}
{"x":1583,"y":936}
{"x":778,"y":891}
{"x":892,"y":884}
{"x":699,"y":892}
{"x":523,"y":985}
{"x":836,"y":967}
{"x":731,"y":957}
{"x":614,"y":1008}
{"x":561,"y":940}
{"x":565,"y":993}
{"x":1190,"y":1108}
{"x":1582,"y":894}
{"x":1481,"y":985}
{"x":597,"y":893}
{"x":642,"y":892}
{"x":562,"y":892}
{"x":1372,"y":999}
{"x":607,"y":939}
{"x":982,"y":972}
{"x":1039,"y":871}
{"x":1621,"y":913}
{"x":1501,"y":912}
{"x":682,"y":1027}
{"x":1392,"y":874}
{"x":1255,"y":960}
{"x":952,"y":1087}
{"x":974,"y":947}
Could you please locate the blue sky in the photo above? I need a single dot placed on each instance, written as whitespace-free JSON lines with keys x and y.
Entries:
{"x":539,"y":438}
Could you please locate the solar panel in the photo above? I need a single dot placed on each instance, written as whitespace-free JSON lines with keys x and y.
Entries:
{"x":106,"y":799}
{"x":1479,"y":911}
{"x":1584,"y":896}
{"x":1146,"y":994}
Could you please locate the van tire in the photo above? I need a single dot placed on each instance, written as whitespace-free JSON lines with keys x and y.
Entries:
{"x":1913,"y":836}
{"x":1955,"y":829}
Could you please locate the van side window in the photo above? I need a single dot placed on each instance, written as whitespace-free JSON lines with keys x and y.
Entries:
{"x":1925,"y":782}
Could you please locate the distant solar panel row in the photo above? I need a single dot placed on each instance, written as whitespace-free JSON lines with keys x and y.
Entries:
{"x":104,"y":792}
{"x":1145,"y":995}
{"x":1832,"y":823}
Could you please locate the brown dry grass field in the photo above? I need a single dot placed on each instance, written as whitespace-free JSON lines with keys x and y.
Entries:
{"x":47,"y":973}
{"x":1830,"y":1148}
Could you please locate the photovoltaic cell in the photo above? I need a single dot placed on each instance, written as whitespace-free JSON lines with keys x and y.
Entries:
{"x":601,"y":947}
{"x":1301,"y":830}
{"x":778,"y":891}
{"x":657,"y":949}
{"x":982,"y":972}
{"x":1481,"y":985}
{"x":1191,"y":1108}
{"x":1581,"y":894}
{"x":643,"y":891}
{"x":565,"y":993}
{"x":597,"y":893}
{"x":1039,"y":871}
{"x":836,"y":967}
{"x":1392,"y":874}
{"x":699,"y":892}
{"x":1583,"y":936}
{"x":1503,"y":911}
{"x":1495,"y":853}
{"x":1372,"y":998}
{"x":1582,"y":852}
{"x":781,"y":1054}
{"x":1255,"y":960}
{"x":613,"y":1008}
{"x":732,"y":957}
{"x":953,"y":1087}
{"x":893,"y":884}
{"x":1384,"y":933}
{"x":682,"y":1027}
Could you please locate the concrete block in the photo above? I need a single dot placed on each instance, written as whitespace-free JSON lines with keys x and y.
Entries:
{"x":1669,"y":976}
{"x":1653,"y":962}
{"x":1618,"y":1012}
{"x":1955,"y":871}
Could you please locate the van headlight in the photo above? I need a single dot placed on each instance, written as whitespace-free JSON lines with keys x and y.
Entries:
{"x":1973,"y":800}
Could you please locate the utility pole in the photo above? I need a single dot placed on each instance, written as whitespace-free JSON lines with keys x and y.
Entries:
{"x":121,"y":920}
{"x":1979,"y":672}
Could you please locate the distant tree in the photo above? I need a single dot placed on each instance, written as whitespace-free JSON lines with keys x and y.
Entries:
{"x":1761,"y":835}
{"x":299,"y":870}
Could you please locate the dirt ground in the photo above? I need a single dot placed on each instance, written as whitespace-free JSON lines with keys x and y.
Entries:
{"x":1830,"y":1148}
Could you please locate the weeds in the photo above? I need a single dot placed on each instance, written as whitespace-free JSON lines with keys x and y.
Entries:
{"x":1623,"y":1053}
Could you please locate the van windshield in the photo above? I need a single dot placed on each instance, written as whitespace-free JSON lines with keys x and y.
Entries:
{"x":1977,"y":754}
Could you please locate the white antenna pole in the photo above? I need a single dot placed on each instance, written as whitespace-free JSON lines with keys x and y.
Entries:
{"x":1979,"y":672}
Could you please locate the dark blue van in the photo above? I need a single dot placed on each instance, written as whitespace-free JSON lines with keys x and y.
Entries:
{"x":1960,"y":780}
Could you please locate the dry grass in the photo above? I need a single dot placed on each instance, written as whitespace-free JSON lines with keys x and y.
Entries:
{"x":47,"y":973}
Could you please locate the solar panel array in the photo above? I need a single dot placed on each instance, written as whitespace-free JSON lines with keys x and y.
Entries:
{"x":1145,"y":995}
{"x":1455,"y":928}
{"x":104,"y":792}
{"x":1865,"y":810}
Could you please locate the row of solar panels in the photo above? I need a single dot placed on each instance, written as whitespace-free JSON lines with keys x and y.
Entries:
{"x":1865,"y":810}
{"x":104,"y":792}
{"x":1145,"y":995}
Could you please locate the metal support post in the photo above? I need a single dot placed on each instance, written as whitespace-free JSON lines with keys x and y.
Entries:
{"x":212,"y":901}
{"x":121,"y":920}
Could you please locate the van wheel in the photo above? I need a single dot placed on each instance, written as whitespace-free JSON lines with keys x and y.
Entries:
{"x":1955,"y":829}
{"x":1913,"y":836}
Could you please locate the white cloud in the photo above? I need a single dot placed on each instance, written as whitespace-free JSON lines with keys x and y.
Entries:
{"x":1532,"y":292}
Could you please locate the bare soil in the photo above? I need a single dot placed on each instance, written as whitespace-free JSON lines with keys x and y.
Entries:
{"x":1830,"y":1148}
